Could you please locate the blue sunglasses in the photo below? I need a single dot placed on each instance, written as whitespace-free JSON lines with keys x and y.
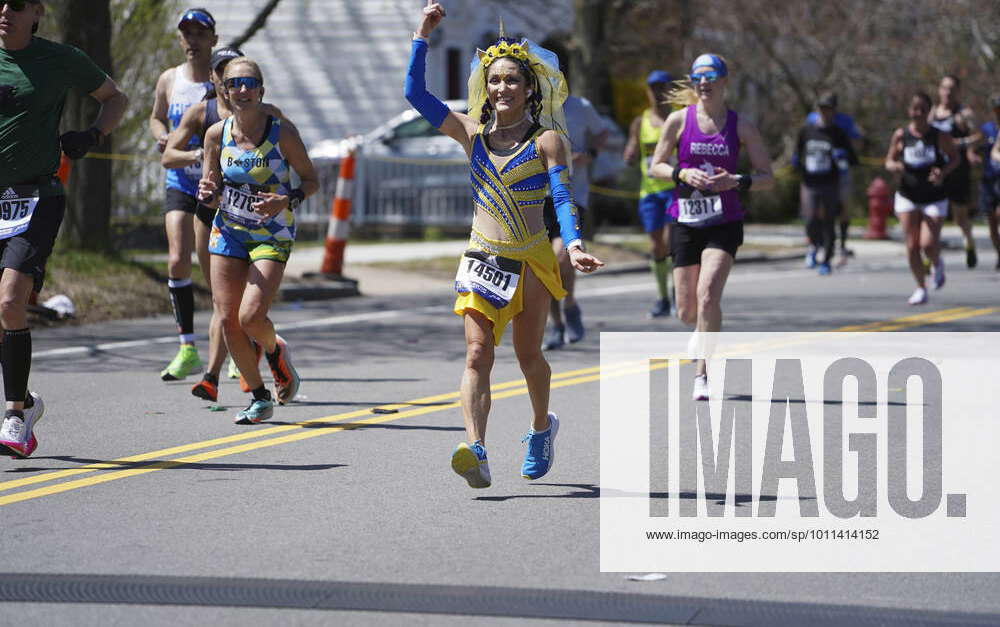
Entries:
{"x":250,"y":82}
{"x":711,"y":76}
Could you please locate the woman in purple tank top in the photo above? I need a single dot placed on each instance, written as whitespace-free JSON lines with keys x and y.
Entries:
{"x":709,"y":217}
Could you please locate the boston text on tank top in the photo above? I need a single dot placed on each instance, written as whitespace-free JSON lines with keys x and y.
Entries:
{"x":920,"y":154}
{"x":707,"y":153}
{"x":183,"y":94}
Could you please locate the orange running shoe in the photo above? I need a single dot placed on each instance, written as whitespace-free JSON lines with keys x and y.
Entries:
{"x":286,"y":379}
{"x":207,"y":390}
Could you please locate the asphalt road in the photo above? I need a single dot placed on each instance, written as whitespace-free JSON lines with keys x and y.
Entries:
{"x":355,"y":516}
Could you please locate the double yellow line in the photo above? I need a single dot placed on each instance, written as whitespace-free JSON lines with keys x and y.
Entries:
{"x":272,"y":436}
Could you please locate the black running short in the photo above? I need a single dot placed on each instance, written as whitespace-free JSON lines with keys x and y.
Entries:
{"x":177,"y":200}
{"x":28,"y":251}
{"x":205,"y":214}
{"x":552,"y":222}
{"x":687,"y":242}
{"x":958,"y":184}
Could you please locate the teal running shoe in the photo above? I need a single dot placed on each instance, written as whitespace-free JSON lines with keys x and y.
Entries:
{"x":185,"y":362}
{"x":471,"y":464}
{"x":257,"y":411}
{"x":541,"y":453}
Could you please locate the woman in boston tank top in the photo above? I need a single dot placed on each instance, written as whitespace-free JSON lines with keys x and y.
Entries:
{"x":923,"y":155}
{"x":514,"y":136}
{"x":248,"y":162}
{"x":708,"y":215}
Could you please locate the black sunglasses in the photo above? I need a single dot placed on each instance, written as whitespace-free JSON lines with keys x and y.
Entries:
{"x":16,"y":5}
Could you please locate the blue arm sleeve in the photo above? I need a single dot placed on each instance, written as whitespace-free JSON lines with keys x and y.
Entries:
{"x":562,"y":199}
{"x":415,"y":90}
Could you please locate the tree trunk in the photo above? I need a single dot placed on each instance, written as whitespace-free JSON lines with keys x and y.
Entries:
{"x":87,"y":26}
{"x":591,"y":78}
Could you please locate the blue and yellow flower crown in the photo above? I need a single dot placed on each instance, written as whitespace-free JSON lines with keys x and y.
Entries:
{"x":502,"y":49}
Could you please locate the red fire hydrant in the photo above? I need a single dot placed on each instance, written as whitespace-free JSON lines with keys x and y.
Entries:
{"x":879,"y":207}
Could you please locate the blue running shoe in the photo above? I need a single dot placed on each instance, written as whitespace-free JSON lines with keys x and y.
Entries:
{"x":660,"y":309}
{"x":256,"y":411}
{"x":824,"y":269}
{"x":470,"y":462}
{"x":574,"y":324}
{"x":541,"y":453}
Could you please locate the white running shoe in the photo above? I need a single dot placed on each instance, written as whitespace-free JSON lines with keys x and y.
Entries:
{"x":919,"y":297}
{"x":700,"y":388}
{"x":15,"y":432}
{"x":937,"y":274}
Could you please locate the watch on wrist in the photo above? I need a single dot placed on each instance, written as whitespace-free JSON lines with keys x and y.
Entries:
{"x":295,"y":198}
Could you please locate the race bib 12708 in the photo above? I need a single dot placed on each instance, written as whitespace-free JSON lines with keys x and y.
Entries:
{"x":237,"y":203}
{"x":492,"y":277}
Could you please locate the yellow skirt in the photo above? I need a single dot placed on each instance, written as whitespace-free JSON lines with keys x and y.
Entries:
{"x":537,"y":253}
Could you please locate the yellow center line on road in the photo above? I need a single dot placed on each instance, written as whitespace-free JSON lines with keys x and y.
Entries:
{"x":425,"y":405}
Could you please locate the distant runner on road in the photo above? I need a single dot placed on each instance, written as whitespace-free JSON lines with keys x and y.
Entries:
{"x":514,"y":136}
{"x":35,"y":75}
{"x":923,"y":156}
{"x":655,"y":195}
{"x":951,"y":117}
{"x":178,"y":89}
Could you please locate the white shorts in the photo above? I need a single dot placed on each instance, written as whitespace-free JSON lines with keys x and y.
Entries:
{"x":936,"y":209}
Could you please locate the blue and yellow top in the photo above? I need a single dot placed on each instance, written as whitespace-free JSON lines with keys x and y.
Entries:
{"x":262,"y":168}
{"x":505,"y":187}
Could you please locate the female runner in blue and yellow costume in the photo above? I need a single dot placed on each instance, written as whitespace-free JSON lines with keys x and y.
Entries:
{"x":515,"y":138}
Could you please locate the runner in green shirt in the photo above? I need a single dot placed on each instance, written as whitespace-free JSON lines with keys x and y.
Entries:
{"x":35,"y":75}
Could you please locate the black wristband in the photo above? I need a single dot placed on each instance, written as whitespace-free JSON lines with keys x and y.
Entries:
{"x":677,"y":175}
{"x":745,"y":181}
{"x":295,"y":198}
{"x":95,"y":134}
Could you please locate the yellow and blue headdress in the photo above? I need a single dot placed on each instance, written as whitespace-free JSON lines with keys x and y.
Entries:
{"x":544,"y":64}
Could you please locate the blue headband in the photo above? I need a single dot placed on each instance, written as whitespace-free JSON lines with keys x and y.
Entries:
{"x":712,"y":61}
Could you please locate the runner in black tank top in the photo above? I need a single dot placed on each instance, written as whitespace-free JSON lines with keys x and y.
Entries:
{"x":956,"y":119}
{"x":924,"y":156}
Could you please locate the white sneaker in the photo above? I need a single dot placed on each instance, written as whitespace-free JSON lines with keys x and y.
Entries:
{"x":700,"y":388}
{"x":15,"y":433}
{"x":937,"y":274}
{"x":919,"y":297}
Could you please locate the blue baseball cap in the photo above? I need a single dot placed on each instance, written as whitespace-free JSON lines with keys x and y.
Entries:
{"x":712,"y":61}
{"x":658,"y":76}
{"x":200,"y":16}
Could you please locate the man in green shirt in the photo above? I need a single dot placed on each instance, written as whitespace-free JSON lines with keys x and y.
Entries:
{"x":35,"y":75}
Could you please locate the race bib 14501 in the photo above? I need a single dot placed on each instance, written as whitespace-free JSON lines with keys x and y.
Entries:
{"x":492,"y":277}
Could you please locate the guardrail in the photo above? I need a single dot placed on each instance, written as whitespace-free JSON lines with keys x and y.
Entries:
{"x":408,"y":191}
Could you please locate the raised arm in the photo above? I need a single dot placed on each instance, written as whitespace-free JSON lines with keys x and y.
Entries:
{"x":176,"y":154}
{"x":458,"y":126}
